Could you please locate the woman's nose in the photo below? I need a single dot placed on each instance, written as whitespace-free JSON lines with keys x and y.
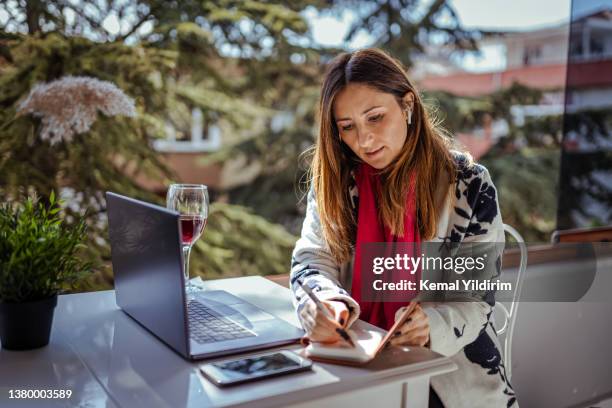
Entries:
{"x":365,"y":137}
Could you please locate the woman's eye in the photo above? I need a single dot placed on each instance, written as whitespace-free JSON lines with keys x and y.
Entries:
{"x":346,"y":127}
{"x":376,"y":118}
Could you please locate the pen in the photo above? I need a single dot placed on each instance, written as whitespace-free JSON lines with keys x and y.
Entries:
{"x":324,"y":310}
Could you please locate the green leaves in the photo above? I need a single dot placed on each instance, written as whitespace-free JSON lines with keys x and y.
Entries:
{"x":251,"y":67}
{"x":237,"y":242}
{"x":116,"y":154}
{"x":526,"y":183}
{"x":239,"y":112}
{"x":407,"y":27}
{"x":39,"y":252}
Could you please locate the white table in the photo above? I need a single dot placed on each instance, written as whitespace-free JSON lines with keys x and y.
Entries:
{"x":109,"y":360}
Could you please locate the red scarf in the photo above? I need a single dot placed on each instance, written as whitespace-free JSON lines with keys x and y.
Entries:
{"x":370,"y":228}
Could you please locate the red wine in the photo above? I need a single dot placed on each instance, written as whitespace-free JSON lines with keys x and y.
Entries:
{"x":191,"y":228}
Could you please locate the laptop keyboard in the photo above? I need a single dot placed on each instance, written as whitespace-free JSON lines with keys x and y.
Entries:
{"x":206,"y":327}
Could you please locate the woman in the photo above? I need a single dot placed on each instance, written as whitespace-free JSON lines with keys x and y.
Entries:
{"x":383,"y":172}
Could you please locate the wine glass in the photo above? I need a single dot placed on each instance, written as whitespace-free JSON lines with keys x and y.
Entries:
{"x":191,"y":202}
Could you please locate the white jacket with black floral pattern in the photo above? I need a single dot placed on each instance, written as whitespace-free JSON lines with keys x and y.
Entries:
{"x":461,"y":330}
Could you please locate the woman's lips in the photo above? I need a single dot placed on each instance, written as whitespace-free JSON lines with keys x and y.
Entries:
{"x":374,"y":153}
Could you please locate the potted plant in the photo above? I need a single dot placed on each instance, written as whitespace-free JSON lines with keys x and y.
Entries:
{"x":38,"y":259}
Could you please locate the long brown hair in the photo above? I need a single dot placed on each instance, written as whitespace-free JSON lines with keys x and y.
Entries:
{"x":426,"y":152}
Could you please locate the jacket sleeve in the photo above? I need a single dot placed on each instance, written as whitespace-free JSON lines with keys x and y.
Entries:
{"x":455,"y":324}
{"x":314,"y":265}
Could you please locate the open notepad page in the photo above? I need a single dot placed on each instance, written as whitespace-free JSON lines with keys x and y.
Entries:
{"x":366,"y":341}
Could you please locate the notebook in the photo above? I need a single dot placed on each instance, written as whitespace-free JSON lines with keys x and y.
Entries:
{"x":368,"y":343}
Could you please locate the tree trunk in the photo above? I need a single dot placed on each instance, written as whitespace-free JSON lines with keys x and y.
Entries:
{"x":33,"y":8}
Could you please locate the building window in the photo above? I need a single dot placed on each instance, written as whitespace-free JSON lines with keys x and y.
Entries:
{"x":596,"y":46}
{"x":575,"y":50}
{"x":532,"y":54}
{"x":200,"y":137}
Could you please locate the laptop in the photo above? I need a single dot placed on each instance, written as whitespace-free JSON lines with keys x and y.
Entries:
{"x":150,"y":287}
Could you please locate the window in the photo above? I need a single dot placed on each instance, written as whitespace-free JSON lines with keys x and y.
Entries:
{"x":198,"y":137}
{"x":532,"y":54}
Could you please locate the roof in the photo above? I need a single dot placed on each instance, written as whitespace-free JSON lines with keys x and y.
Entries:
{"x":601,"y":14}
{"x":588,"y":74}
{"x":476,"y":84}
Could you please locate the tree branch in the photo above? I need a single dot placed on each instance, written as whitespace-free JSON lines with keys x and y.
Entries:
{"x":136,"y":26}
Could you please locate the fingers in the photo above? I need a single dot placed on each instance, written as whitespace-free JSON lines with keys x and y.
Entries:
{"x":399,"y":312}
{"x":416,"y":320}
{"x":339,"y":310}
{"x":415,"y":331}
{"x":324,"y":335}
{"x":336,"y":312}
{"x":318,"y":326}
{"x":418,"y":337}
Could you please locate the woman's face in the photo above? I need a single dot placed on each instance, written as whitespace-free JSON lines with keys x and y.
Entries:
{"x":371,"y":123}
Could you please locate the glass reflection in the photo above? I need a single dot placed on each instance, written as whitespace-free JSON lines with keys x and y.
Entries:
{"x":585,"y":196}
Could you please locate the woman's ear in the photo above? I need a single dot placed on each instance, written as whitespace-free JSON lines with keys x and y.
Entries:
{"x":408,"y":106}
{"x":408,"y":100}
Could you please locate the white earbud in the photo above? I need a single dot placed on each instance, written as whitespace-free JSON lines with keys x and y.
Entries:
{"x":409,"y":116}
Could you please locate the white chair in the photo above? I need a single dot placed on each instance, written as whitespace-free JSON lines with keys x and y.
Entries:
{"x":509,"y":316}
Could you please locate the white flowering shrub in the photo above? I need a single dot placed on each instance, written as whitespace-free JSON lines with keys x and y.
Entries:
{"x":71,"y":104}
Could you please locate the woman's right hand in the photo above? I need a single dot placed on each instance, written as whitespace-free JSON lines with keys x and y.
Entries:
{"x":320,"y":328}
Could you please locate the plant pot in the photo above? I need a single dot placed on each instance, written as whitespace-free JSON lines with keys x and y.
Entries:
{"x":27,"y":325}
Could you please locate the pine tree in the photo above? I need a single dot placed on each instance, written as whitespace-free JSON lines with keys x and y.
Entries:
{"x":249,"y":65}
{"x":99,"y":160}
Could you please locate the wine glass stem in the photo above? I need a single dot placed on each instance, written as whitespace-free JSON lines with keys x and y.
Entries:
{"x":186,"y":253}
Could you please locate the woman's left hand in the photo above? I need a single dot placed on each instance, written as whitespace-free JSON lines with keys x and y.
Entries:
{"x":414,"y":332}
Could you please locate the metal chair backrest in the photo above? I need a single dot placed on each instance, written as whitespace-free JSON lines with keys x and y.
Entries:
{"x":509,"y":316}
